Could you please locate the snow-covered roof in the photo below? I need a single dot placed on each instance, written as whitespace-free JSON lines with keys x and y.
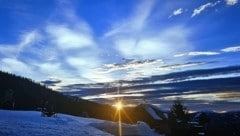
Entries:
{"x":151,"y":111}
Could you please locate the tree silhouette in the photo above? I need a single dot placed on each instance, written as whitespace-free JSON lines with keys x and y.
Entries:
{"x":179,"y":111}
{"x":203,"y":119}
{"x":8,"y":100}
{"x":178,"y":120}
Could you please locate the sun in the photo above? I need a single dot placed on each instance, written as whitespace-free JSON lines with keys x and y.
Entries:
{"x":119,"y":105}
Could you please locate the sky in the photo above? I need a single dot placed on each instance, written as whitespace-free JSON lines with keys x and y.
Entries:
{"x":91,"y":46}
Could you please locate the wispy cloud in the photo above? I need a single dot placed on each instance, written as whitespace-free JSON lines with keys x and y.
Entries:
{"x":200,"y":9}
{"x":129,"y":65}
{"x":153,"y":46}
{"x":231,"y":49}
{"x":180,"y":66}
{"x":26,"y":39}
{"x":205,"y":53}
{"x":176,"y":12}
{"x":231,"y":2}
{"x":135,"y":38}
{"x":135,"y":22}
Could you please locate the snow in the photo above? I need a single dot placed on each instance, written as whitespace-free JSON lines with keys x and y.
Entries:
{"x":31,"y":123}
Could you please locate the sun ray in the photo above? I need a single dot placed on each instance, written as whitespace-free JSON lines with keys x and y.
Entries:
{"x":124,"y":112}
{"x":119,"y":107}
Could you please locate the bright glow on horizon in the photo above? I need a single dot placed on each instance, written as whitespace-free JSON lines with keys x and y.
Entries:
{"x":119,"y":105}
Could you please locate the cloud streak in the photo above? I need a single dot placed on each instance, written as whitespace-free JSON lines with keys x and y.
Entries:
{"x":176,"y":12}
{"x":231,"y":49}
{"x":197,"y":53}
{"x":129,"y":65}
{"x":200,"y":9}
{"x":179,"y":66}
{"x":135,"y":23}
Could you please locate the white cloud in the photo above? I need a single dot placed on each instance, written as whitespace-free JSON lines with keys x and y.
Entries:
{"x":198,"y":10}
{"x":231,"y":2}
{"x":176,"y":12}
{"x":67,"y":38}
{"x":206,"y":53}
{"x":83,"y":61}
{"x":231,"y":49}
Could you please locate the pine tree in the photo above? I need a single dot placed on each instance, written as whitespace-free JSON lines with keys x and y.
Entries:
{"x":179,"y":111}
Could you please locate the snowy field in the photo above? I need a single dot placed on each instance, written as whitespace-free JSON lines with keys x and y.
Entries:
{"x":31,"y":123}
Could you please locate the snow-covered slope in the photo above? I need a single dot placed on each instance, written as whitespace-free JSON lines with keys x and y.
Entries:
{"x":30,"y":123}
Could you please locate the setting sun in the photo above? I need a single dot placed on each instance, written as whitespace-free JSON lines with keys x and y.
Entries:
{"x":119,"y":105}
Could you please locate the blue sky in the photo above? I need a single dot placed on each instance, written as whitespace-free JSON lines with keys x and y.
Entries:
{"x":91,"y":41}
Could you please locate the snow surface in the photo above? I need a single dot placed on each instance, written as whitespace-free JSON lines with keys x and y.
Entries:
{"x":31,"y":123}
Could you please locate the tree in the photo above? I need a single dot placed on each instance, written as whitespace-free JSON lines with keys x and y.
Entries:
{"x":8,"y":99}
{"x":203,"y":119}
{"x":178,"y":120}
{"x":179,"y":111}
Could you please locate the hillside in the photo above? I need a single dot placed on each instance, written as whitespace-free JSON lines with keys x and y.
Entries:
{"x":28,"y":95}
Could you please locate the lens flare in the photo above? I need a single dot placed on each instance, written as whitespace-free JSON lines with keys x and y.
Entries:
{"x":119,"y":105}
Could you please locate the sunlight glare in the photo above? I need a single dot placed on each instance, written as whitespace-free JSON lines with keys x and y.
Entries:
{"x":119,"y":105}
